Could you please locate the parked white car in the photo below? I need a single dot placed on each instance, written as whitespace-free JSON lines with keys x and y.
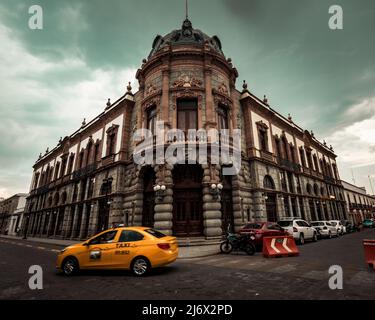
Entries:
{"x":300,"y":229}
{"x":325,"y":229}
{"x":339,"y":227}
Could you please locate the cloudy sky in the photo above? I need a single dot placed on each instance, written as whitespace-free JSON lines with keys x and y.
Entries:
{"x":88,"y":50}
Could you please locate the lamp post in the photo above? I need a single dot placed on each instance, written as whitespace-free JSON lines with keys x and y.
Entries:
{"x":160,"y":191}
{"x":216,"y":190}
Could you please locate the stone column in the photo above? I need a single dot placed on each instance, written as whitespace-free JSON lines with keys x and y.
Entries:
{"x":164,"y":208}
{"x":328,"y":213}
{"x":66,"y":222}
{"x":322,"y":210}
{"x":211,"y":206}
{"x":298,"y":208}
{"x":210,"y":119}
{"x":83,"y":221}
{"x":315,"y":210}
{"x":75,"y":222}
{"x":291,"y":212}
{"x":116,"y":213}
{"x":49,"y":227}
{"x":165,"y":96}
{"x":259,"y":207}
{"x":56,"y":222}
{"x":305,"y":202}
{"x":280,"y":206}
{"x":93,"y":222}
{"x":42,"y":224}
{"x":241,"y":195}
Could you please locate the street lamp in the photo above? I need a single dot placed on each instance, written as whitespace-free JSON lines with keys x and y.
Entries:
{"x":160,"y":191}
{"x":216,"y":190}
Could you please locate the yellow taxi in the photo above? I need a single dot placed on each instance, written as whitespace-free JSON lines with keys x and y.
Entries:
{"x":134,"y":248}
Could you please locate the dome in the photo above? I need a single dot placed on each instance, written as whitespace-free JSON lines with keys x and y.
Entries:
{"x":186,"y":35}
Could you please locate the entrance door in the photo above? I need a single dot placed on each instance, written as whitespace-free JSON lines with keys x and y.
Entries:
{"x":148,"y":198}
{"x":187,"y":201}
{"x":227,"y":205}
{"x":271,"y":207}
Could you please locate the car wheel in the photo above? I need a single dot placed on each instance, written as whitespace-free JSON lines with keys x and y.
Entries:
{"x":301,"y":239}
{"x":140,"y":266}
{"x":315,"y":237}
{"x":70,"y":266}
{"x":250,"y":249}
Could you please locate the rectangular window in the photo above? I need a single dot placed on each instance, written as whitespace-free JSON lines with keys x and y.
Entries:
{"x":302,"y":156}
{"x":309,"y":159}
{"x":263,"y":140}
{"x":151,"y":120}
{"x":278,"y":150}
{"x":316,"y":163}
{"x":223,"y":118}
{"x":187,"y":115}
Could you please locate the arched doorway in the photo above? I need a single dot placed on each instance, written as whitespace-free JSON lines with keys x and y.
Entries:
{"x":148,"y":197}
{"x":227,"y":217}
{"x":187,"y":201}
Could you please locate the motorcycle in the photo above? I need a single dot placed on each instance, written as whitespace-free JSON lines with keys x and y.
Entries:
{"x":234,"y":242}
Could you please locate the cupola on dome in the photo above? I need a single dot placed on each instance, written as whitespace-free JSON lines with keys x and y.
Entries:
{"x":187,"y":35}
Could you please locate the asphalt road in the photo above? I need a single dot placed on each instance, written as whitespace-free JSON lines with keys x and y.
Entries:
{"x":233,"y":276}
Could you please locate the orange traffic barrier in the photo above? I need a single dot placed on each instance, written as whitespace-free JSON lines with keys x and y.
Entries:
{"x":282,"y":246}
{"x":369,"y":246}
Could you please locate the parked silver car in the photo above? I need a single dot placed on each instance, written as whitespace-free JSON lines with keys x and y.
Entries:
{"x":325,"y":229}
{"x":300,"y":229}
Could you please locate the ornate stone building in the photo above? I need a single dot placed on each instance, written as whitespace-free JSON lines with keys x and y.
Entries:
{"x":11,"y":213}
{"x":89,"y":181}
{"x":359,"y":204}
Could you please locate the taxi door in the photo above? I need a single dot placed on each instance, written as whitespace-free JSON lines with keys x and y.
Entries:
{"x":128,"y":247}
{"x":99,"y":252}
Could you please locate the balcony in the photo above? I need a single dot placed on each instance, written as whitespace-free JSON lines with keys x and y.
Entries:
{"x":329,"y":179}
{"x":266,"y":155}
{"x":85,"y":171}
{"x":289,"y":165}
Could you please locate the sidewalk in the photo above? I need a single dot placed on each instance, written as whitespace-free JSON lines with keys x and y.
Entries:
{"x":184,"y":252}
{"x":62,"y":243}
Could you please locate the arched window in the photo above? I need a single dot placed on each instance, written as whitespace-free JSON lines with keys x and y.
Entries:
{"x":309,"y":188}
{"x":322,"y":191}
{"x":63,"y":198}
{"x":49,"y":201}
{"x":284,"y":144}
{"x":268,"y":183}
{"x":56,"y":199}
{"x":222,"y":113}
{"x":316,"y":189}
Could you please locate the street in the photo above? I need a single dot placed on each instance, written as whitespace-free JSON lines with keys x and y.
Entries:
{"x":234,"y":276}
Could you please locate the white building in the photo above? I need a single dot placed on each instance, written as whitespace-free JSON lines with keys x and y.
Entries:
{"x":359,"y":204}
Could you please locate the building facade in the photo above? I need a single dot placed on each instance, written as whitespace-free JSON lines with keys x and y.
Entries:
{"x":359,"y":204}
{"x":91,"y":180}
{"x":11,"y":213}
